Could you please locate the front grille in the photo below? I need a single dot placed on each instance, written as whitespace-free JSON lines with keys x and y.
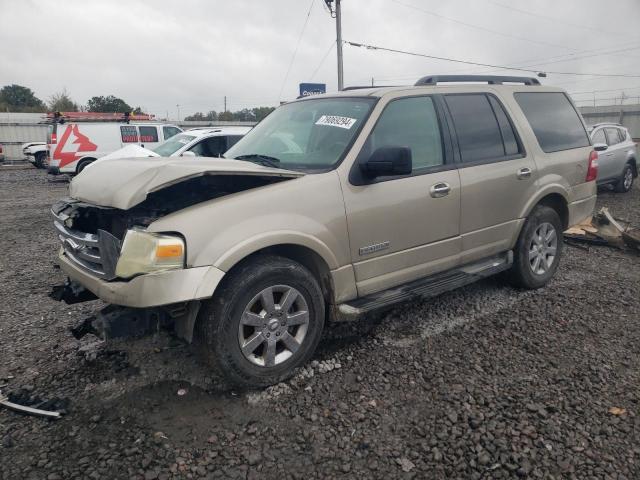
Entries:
{"x":96,"y":253}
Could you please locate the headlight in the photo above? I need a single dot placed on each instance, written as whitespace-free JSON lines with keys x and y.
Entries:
{"x":145,"y":252}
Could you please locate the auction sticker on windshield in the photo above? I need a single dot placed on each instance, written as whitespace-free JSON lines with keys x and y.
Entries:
{"x":336,"y":121}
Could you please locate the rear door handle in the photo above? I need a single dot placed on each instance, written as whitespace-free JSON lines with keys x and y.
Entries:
{"x":608,"y":155}
{"x":523,"y":173}
{"x":440,"y":189}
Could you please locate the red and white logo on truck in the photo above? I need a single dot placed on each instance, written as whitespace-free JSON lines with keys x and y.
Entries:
{"x":72,"y":146}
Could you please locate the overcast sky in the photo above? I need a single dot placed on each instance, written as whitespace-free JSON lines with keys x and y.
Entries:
{"x":159,"y":53}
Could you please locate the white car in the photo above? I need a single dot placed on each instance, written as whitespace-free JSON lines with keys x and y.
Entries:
{"x":197,"y":142}
{"x":36,"y":153}
{"x":617,"y":155}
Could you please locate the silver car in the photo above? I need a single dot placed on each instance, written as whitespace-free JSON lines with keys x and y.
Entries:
{"x":617,"y":155}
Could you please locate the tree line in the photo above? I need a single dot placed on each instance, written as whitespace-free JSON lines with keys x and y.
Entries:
{"x":17,"y":98}
{"x":245,"y":115}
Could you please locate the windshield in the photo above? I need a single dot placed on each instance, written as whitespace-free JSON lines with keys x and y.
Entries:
{"x":311,"y":134}
{"x":172,"y":145}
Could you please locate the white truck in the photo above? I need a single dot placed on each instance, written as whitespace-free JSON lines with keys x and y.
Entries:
{"x":76,"y":139}
{"x":36,"y":153}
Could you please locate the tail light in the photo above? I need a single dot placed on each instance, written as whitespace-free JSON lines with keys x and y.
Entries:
{"x":54,"y":139}
{"x":592,"y":169}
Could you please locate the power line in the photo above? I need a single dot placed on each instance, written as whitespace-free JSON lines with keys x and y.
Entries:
{"x":323,"y":60}
{"x":529,"y":63}
{"x":478,"y":27}
{"x":502,"y":67}
{"x":295,"y":52}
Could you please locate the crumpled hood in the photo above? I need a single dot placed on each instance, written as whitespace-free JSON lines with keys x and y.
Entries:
{"x":130,"y":151}
{"x":124,"y":183}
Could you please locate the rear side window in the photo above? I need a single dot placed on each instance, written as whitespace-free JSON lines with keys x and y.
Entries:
{"x":553,"y":119}
{"x":148,"y":134}
{"x":129,"y":134}
{"x":599,"y":137}
{"x":482,"y":127}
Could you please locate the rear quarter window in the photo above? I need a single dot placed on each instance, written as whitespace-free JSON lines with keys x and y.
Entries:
{"x":554,"y":120}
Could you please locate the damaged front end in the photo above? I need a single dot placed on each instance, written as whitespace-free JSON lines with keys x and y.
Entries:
{"x":96,"y":241}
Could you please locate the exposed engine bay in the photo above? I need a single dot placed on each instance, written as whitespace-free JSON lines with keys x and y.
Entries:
{"x":88,"y":218}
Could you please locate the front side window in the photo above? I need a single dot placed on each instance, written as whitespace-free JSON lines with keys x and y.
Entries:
{"x":310,"y":134}
{"x":409,"y":122}
{"x":169,"y":132}
{"x":209,"y":147}
{"x":613,"y":137}
{"x":480,"y":137}
{"x":555,"y":122}
{"x":174,"y":144}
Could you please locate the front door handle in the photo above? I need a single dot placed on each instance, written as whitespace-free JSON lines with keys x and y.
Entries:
{"x":440,"y":189}
{"x":609,"y":155}
{"x":523,"y":173}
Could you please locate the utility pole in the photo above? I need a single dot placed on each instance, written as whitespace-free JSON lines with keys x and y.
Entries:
{"x":225,"y":103}
{"x":339,"y":44}
{"x":178,"y":107}
{"x":337,"y":14}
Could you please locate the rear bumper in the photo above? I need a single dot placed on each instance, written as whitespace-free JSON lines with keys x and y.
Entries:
{"x":150,"y":290}
{"x":581,"y":210}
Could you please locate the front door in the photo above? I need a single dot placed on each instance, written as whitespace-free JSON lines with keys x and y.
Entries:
{"x":497,"y":177}
{"x":402,"y":228}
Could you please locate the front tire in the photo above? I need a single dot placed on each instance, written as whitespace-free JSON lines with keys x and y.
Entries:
{"x":538,"y":250}
{"x":624,"y":184}
{"x":41,"y":160}
{"x":82,"y":165}
{"x":265,"y":321}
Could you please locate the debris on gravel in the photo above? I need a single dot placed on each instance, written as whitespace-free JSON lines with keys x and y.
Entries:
{"x":484,"y":382}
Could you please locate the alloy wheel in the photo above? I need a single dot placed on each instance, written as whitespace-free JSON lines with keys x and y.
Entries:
{"x":543,"y":248}
{"x":273,"y":325}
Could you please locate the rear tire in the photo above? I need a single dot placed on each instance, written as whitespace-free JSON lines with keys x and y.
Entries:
{"x":83,"y":164}
{"x":263,"y":322}
{"x":538,"y":250}
{"x":625,"y":182}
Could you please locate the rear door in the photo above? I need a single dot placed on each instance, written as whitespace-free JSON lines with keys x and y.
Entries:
{"x":402,"y":228}
{"x":497,"y":176}
{"x":612,"y":160}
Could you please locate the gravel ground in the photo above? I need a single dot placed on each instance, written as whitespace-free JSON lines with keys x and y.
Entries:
{"x":484,"y":382}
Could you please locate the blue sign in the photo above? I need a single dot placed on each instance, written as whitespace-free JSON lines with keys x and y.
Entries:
{"x":307,"y":89}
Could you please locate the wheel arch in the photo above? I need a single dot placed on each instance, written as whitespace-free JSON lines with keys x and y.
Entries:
{"x":83,"y":160}
{"x":302,"y":254}
{"x":554,"y":198}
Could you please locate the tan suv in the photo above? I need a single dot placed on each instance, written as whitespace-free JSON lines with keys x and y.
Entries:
{"x":332,"y":207}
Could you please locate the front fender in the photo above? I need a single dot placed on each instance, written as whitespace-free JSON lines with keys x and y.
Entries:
{"x":270,"y":239}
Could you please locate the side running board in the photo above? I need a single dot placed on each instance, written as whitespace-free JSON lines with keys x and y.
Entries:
{"x":425,"y":287}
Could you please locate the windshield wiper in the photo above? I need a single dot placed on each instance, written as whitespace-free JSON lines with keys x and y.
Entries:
{"x":265,"y":160}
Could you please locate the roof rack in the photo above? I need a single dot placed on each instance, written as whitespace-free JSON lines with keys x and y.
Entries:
{"x":490,"y":79}
{"x":362,"y":87}
{"x":62,"y":117}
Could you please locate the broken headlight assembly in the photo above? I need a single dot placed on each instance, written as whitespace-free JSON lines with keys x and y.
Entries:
{"x":146,"y":252}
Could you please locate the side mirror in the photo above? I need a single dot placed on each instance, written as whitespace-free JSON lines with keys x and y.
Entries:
{"x":600,"y":147}
{"x":388,"y":161}
{"x":187,"y":154}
